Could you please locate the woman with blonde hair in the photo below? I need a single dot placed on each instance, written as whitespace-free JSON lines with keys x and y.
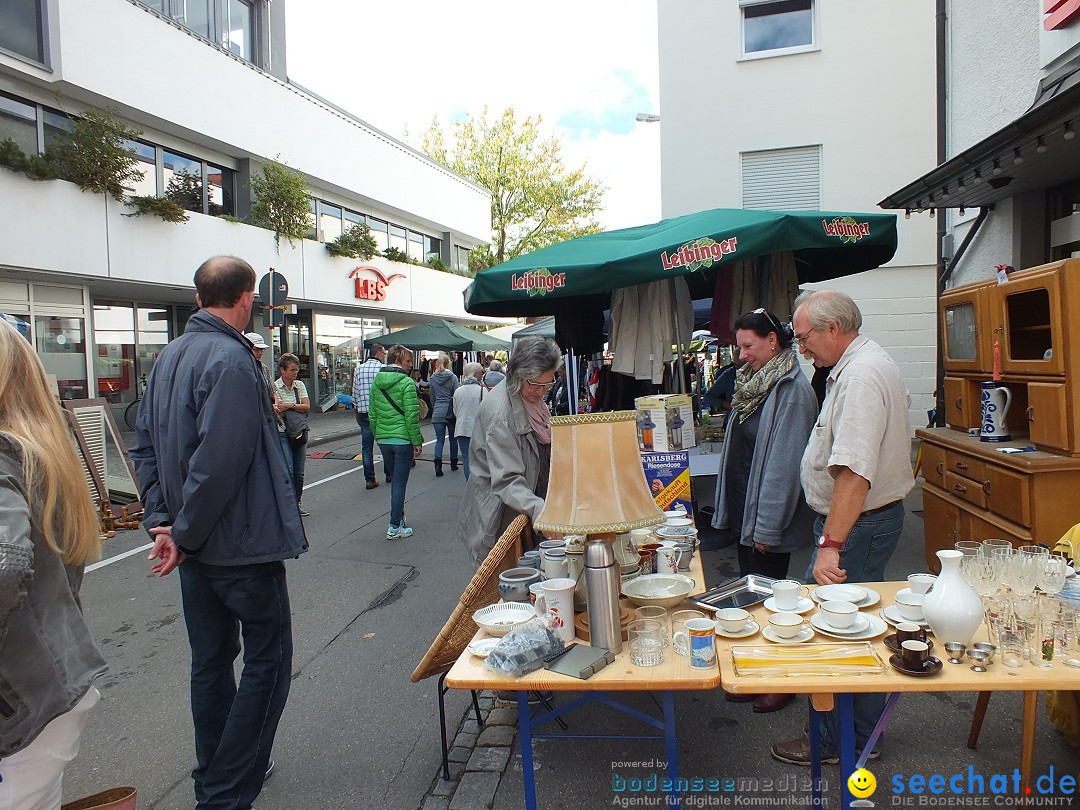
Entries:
{"x":48,"y":532}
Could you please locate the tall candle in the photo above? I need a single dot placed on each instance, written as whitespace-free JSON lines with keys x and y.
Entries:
{"x":997,"y":361}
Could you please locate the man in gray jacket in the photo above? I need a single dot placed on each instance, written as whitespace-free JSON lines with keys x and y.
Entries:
{"x":219,"y":504}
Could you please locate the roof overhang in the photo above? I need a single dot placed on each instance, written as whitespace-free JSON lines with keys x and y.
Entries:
{"x":1038,"y":150}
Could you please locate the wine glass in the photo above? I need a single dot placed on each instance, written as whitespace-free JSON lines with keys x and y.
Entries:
{"x":984,"y":576}
{"x":1052,"y":575}
{"x":1024,"y":573}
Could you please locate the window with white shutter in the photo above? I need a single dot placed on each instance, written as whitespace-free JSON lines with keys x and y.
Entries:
{"x":782,"y":179}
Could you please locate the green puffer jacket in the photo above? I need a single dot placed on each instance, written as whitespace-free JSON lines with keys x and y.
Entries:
{"x":386,"y":421}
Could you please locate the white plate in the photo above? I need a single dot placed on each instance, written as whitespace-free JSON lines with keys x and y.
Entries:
{"x":871,"y":598}
{"x":893,"y":617}
{"x":806,"y":604}
{"x":482,"y":647}
{"x":860,"y":625}
{"x":749,"y":630}
{"x":876,"y":628}
{"x":805,"y":634}
{"x":841,"y":593}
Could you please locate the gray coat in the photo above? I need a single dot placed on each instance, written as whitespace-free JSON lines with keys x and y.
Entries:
{"x":47,"y":654}
{"x":504,"y":458}
{"x":208,"y":455}
{"x":442,"y":385}
{"x":776,"y":514}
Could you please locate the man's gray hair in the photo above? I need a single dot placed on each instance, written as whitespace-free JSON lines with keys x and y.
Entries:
{"x":496,"y":366}
{"x":532,"y":357}
{"x":471,"y":370}
{"x":830,"y":306}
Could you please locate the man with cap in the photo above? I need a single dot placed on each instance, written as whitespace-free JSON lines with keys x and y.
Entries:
{"x":258,"y":347}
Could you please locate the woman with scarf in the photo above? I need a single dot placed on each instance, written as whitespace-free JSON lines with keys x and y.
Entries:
{"x":759,"y":497}
{"x":510,"y":451}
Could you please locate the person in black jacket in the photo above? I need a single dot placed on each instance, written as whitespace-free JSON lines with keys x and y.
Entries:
{"x":219,"y":504}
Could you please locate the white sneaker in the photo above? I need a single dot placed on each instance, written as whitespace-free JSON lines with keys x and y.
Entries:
{"x":398,"y":532}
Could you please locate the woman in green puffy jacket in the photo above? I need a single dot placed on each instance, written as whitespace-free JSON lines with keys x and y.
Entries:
{"x":395,"y":423}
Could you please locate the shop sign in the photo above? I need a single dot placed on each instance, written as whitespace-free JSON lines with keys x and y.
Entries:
{"x":369,"y":283}
{"x":1060,"y":13}
{"x":699,"y":253}
{"x":537,"y":282}
{"x":846,"y":229}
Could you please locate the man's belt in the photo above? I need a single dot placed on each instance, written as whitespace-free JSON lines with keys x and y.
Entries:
{"x":879,"y":509}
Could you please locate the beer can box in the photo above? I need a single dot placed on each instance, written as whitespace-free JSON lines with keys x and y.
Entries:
{"x":665,"y":423}
{"x":668,"y":476}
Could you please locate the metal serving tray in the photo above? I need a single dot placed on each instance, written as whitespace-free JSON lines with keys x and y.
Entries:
{"x":743,"y":592}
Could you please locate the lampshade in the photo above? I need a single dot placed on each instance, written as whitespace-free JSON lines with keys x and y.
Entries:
{"x":597,"y":484}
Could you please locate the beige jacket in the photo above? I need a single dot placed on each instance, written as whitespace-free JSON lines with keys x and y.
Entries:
{"x":504,"y":461}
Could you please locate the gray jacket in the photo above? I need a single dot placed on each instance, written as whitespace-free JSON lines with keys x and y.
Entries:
{"x":504,"y":458}
{"x":207,"y":452}
{"x":442,"y":385}
{"x":47,"y":654}
{"x":776,"y":514}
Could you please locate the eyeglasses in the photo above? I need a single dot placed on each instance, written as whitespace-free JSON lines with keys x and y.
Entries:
{"x":545,"y":386}
{"x":763,"y":311}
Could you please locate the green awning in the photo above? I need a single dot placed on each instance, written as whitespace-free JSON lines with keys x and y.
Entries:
{"x":441,"y":336}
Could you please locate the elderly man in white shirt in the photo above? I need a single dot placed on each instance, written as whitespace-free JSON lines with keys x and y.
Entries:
{"x":856,"y":470}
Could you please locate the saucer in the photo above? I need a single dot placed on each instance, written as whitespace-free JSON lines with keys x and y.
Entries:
{"x":893,"y":617}
{"x":876,"y":628}
{"x":806,"y":604}
{"x":892,"y":644}
{"x":869,"y":597}
{"x":860,"y":624}
{"x":483,"y":647}
{"x":749,"y":630}
{"x":805,"y":634}
{"x":932,"y":667}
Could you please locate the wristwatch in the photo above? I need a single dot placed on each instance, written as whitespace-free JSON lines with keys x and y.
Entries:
{"x":827,"y":542}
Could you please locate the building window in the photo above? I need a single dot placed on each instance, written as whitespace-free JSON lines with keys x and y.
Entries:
{"x":353,"y":218}
{"x":55,"y":125}
{"x":461,"y":259}
{"x":398,"y":240}
{"x":432,"y":248}
{"x":239,"y":34}
{"x":777,"y":26}
{"x":329,"y":221}
{"x":183,"y":180}
{"x":220,"y":191}
{"x":782,"y":179}
{"x":378,"y":232}
{"x":193,"y":14}
{"x":146,"y":154}
{"x":416,"y":246}
{"x":18,"y":121}
{"x":21,"y":29}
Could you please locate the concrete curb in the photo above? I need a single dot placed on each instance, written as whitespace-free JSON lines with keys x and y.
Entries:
{"x":315,"y":441}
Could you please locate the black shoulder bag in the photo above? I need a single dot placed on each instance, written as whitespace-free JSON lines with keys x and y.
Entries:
{"x":296,"y":424}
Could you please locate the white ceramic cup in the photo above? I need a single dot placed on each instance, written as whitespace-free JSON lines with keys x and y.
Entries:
{"x":682,"y":525}
{"x":732,"y":620}
{"x":553,"y":564}
{"x":557,"y":603}
{"x":838,"y":614}
{"x":920,"y":583}
{"x":909,"y":605}
{"x":700,"y":639}
{"x":667,"y":559}
{"x":787,"y":593}
{"x":786,"y":625}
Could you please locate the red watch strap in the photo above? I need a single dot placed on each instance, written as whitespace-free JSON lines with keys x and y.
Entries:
{"x":828,"y":542}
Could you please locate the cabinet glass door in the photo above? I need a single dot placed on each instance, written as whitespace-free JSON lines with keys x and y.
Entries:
{"x":960,"y":331}
{"x":1032,"y":313}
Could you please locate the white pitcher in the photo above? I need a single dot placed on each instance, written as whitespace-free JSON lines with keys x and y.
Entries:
{"x":996,"y":399}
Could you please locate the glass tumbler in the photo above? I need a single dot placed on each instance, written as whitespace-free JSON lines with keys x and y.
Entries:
{"x":678,"y":619}
{"x":658,"y":614}
{"x":647,"y":637}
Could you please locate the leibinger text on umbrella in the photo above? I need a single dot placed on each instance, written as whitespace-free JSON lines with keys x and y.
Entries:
{"x":538,"y":282}
{"x":699,"y":253}
{"x":846,"y":228}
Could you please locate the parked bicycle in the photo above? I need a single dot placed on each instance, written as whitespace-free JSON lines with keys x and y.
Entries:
{"x":131,"y":412}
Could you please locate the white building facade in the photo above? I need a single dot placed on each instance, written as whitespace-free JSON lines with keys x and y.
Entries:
{"x":206,"y":83}
{"x":810,"y":104}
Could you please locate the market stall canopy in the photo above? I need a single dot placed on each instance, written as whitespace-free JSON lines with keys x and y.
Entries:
{"x":441,"y":336}
{"x":825,"y":244}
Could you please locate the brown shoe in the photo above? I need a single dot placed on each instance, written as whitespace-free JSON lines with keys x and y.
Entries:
{"x":771,"y":703}
{"x":730,"y":698}
{"x":371,"y":485}
{"x":797,"y":752}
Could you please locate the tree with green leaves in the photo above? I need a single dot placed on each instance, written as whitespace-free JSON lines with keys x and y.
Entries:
{"x":95,"y":154}
{"x":536,"y":199}
{"x":281,"y":203}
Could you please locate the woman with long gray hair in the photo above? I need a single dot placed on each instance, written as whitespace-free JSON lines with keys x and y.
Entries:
{"x":510,"y":453}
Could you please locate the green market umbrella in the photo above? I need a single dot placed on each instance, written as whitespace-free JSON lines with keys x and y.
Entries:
{"x":826,"y":244}
{"x":441,"y":336}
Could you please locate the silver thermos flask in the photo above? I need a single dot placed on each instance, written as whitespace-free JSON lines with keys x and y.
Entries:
{"x":602,"y":601}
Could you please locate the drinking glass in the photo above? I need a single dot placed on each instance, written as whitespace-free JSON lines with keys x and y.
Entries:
{"x":996,"y":613}
{"x":1052,"y":575}
{"x":678,"y":618}
{"x":968,"y":547}
{"x":657,"y":614}
{"x":1026,"y":612}
{"x":1050,"y":630}
{"x":646,"y":642}
{"x":1024,"y":572}
{"x":1012,"y":643}
{"x":990,"y":545}
{"x":1070,"y":646}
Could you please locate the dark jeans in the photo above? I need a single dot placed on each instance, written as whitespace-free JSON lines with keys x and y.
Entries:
{"x":867,"y":550}
{"x":397,"y":461}
{"x":296,"y":460}
{"x":442,"y":430}
{"x":752,"y":561}
{"x":367,"y":445}
{"x":235,"y":725}
{"x":463,"y":445}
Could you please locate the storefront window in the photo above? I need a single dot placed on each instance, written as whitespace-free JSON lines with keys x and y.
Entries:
{"x":18,"y":121}
{"x":61,"y":345}
{"x":21,"y":29}
{"x":154,"y":334}
{"x":114,"y":359}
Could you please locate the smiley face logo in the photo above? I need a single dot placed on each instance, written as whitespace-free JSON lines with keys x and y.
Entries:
{"x":862,"y":783}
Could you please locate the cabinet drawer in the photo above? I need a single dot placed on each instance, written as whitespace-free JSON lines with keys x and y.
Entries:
{"x":973,"y":527}
{"x":965,"y":465}
{"x":942,"y":526}
{"x":965,"y":488}
{"x":933,"y":464}
{"x":1009,"y":494}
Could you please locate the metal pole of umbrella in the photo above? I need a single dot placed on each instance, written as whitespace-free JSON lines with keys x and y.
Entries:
{"x":680,"y":383}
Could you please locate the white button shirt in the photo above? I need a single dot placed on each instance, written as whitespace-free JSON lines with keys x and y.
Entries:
{"x":863,"y":425}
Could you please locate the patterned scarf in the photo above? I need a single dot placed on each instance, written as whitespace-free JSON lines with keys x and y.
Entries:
{"x":752,"y":388}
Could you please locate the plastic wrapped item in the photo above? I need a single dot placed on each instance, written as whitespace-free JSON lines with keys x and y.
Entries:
{"x":524,"y":648}
{"x":807,"y":659}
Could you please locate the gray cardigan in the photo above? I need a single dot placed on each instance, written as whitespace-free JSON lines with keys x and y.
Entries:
{"x":442,"y":385}
{"x":776,"y":514}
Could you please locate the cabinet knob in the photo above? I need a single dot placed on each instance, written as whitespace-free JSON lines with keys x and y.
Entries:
{"x":941,"y":468}
{"x":986,"y":487}
{"x":960,"y":488}
{"x":1031,"y":413}
{"x":961,"y":465}
{"x":959,"y":403}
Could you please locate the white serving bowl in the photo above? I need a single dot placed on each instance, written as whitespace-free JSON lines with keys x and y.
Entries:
{"x":502,"y":617}
{"x":838,"y":614}
{"x":910,"y":605}
{"x":661,"y":590}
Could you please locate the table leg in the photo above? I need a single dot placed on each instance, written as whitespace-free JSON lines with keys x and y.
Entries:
{"x":1027,"y":739}
{"x":815,"y":755}
{"x":671,"y":748}
{"x":846,"y":704}
{"x":525,"y":739}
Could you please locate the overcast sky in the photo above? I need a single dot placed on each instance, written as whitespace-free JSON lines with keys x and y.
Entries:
{"x":588,"y":67}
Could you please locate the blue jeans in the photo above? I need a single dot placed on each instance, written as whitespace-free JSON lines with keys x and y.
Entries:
{"x":367,"y":445}
{"x":442,"y":430}
{"x":397,"y":461}
{"x":867,"y":550}
{"x":295,"y":460}
{"x":235,"y":725}
{"x":463,"y":445}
